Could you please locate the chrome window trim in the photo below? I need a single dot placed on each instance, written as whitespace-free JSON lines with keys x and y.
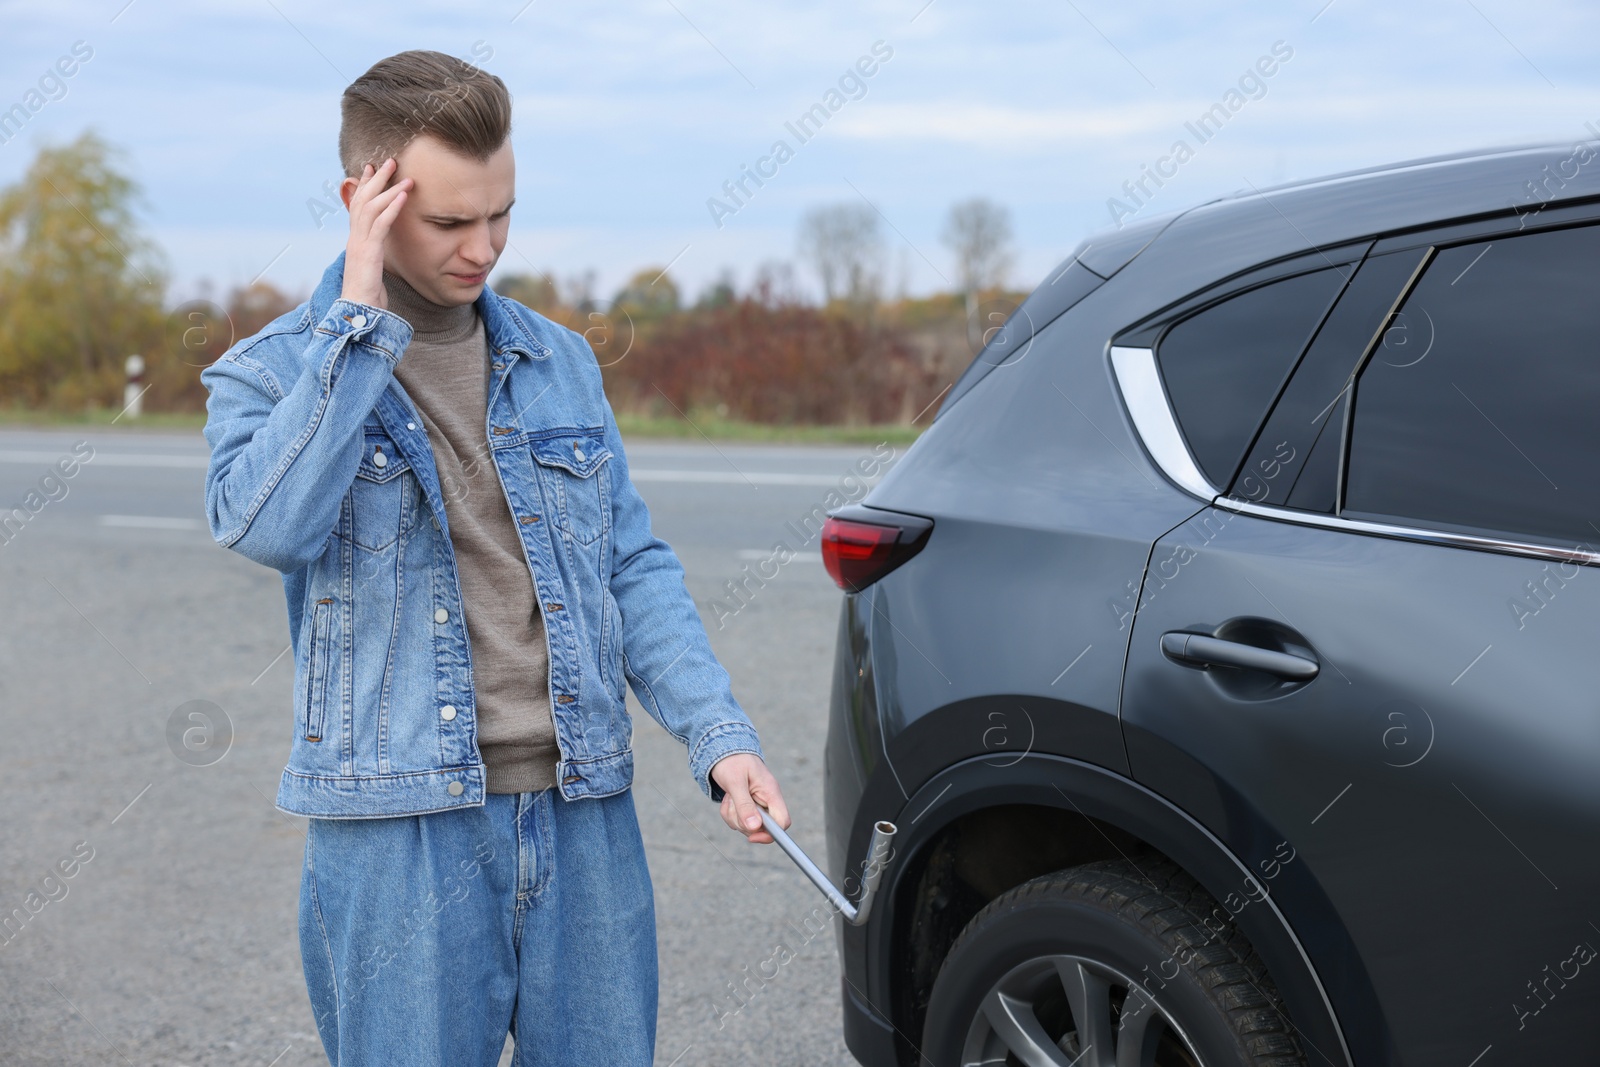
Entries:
{"x":1410,"y":533}
{"x":1154,"y":422}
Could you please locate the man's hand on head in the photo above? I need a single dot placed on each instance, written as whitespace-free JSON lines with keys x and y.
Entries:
{"x":373,"y":209}
{"x":746,"y":783}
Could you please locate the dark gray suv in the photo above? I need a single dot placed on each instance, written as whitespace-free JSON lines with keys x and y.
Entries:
{"x":1228,"y":649}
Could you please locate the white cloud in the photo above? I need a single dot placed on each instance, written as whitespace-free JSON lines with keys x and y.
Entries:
{"x":628,"y":117}
{"x":996,"y":124}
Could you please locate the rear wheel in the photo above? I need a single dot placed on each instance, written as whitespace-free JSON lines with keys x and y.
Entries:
{"x":1106,"y":965}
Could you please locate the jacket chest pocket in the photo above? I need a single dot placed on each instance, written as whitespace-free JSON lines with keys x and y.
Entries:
{"x":574,"y":479}
{"x":383,"y":499}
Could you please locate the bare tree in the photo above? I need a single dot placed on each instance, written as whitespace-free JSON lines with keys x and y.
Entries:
{"x":844,"y":244}
{"x":578,"y":290}
{"x":774,"y":284}
{"x":978,"y":231}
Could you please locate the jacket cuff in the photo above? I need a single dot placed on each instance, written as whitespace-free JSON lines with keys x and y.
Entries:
{"x":721,"y":740}
{"x":375,"y":327}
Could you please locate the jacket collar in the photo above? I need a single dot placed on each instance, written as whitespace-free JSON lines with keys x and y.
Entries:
{"x":506,"y":328}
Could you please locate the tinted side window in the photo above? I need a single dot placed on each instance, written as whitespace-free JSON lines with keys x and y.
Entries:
{"x":1296,"y":458}
{"x":1223,"y":367}
{"x":1486,"y":418}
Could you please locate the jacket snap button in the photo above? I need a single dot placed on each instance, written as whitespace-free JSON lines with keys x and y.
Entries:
{"x":379,"y":459}
{"x":441,"y":616}
{"x":577,"y":452}
{"x":455,"y":789}
{"x":447,"y":712}
{"x":358,"y":321}
{"x":411,"y":426}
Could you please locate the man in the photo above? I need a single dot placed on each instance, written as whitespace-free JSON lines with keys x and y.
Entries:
{"x":471,"y":581}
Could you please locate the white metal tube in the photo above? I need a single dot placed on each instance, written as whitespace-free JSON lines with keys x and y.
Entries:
{"x":875,"y":863}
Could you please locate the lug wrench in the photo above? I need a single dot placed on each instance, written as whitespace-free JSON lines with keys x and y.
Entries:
{"x":877,"y":859}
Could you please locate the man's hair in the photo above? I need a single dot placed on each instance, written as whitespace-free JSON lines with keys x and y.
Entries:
{"x":417,"y":92}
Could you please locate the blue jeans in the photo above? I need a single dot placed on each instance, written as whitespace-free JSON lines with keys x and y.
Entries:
{"x":425,"y":938}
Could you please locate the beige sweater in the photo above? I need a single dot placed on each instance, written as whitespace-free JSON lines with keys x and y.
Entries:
{"x":445,"y":371}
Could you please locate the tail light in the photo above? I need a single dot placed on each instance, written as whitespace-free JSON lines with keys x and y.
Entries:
{"x":862,"y":544}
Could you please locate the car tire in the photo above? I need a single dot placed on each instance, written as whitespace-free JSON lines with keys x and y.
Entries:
{"x":1147,"y":958}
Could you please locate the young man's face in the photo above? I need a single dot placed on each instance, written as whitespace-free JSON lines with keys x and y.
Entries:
{"x":452,"y":227}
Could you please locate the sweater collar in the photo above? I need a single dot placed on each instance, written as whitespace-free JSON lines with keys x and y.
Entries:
{"x":431,"y":323}
{"x":511,"y":328}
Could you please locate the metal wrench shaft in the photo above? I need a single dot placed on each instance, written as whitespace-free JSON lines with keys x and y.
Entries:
{"x":877,"y":859}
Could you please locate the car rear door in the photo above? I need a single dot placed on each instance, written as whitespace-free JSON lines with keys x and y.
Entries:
{"x":1374,"y":669}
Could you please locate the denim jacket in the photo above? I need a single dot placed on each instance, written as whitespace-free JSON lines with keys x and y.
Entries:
{"x":321,"y":468}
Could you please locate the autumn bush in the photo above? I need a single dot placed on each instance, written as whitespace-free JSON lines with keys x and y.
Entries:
{"x":196,"y":333}
{"x":785,"y":363}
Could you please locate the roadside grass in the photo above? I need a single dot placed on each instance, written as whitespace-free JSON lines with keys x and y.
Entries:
{"x":13,"y":418}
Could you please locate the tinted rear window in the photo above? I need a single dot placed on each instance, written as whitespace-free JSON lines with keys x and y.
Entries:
{"x":1223,"y":366}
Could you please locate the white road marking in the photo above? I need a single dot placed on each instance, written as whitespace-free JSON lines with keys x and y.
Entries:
{"x":150,"y":522}
{"x":758,"y":477}
{"x":110,"y":459}
{"x":767,"y":553}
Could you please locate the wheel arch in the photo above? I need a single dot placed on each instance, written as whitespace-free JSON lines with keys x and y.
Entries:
{"x":1079,"y":812}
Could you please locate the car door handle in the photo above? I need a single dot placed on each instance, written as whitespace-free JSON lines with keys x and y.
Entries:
{"x":1207,"y":651}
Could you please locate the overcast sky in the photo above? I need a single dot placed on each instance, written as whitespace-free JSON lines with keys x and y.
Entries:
{"x":629,"y":117}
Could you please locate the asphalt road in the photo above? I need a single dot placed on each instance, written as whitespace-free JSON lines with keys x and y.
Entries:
{"x":176,"y":943}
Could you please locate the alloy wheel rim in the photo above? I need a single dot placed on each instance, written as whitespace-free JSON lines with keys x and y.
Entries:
{"x":1068,"y":1011}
